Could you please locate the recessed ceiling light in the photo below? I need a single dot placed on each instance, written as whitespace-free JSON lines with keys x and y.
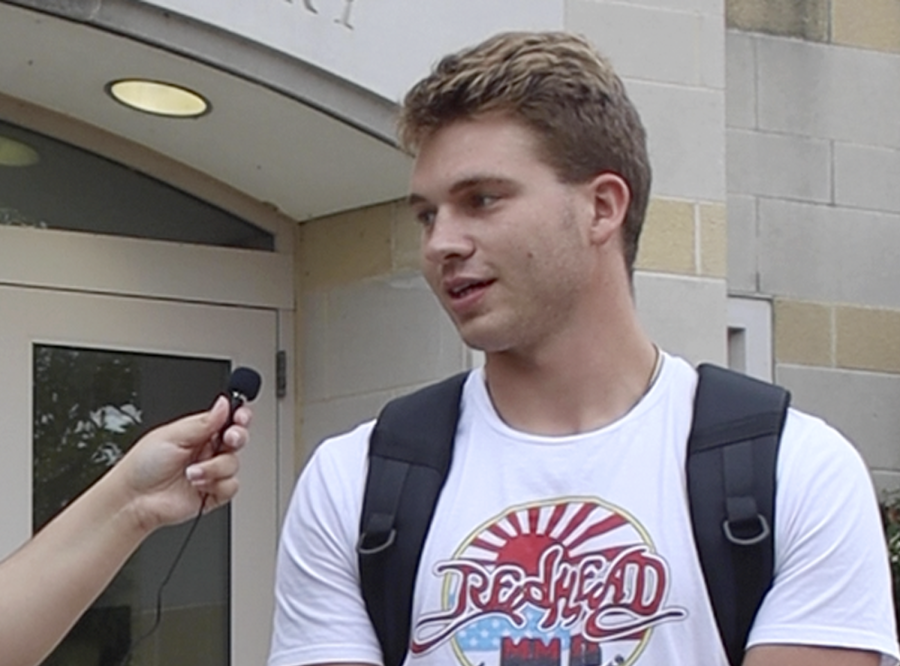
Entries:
{"x":158,"y":98}
{"x":17,"y":154}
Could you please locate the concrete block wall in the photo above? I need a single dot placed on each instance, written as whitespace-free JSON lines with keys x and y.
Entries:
{"x":813,"y":163}
{"x":670,"y":54}
{"x":369,"y":328}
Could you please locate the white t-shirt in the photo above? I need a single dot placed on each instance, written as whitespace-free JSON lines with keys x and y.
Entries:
{"x":578,"y":550}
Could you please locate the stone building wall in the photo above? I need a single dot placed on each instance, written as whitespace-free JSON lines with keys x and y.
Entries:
{"x":813,"y":166}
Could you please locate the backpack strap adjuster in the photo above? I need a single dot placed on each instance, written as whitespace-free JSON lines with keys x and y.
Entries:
{"x":745,"y":524}
{"x":382,"y":542}
{"x":379,"y":530}
{"x":734,"y":528}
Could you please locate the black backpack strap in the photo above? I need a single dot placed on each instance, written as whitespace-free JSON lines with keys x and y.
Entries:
{"x":409,"y":456}
{"x":732,"y":454}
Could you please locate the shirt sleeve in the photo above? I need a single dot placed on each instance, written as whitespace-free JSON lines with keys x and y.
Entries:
{"x":832,"y":585}
{"x":320,"y":616}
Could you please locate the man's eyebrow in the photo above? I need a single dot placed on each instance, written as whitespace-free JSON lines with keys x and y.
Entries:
{"x":478,"y":180}
{"x":463,"y":184}
{"x":414,"y":199}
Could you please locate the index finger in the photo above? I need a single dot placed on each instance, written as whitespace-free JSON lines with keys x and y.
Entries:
{"x":235,"y":437}
{"x":243,"y":415}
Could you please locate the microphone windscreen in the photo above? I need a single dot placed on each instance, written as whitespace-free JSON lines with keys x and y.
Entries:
{"x":245,"y":381}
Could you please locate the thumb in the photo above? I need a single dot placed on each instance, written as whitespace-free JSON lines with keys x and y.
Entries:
{"x":199,"y":428}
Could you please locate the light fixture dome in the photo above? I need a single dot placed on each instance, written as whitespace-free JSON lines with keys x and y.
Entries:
{"x":158,"y":98}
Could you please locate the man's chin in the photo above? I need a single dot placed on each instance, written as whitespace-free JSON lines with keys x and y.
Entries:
{"x":486,"y":332}
{"x":483,"y":340}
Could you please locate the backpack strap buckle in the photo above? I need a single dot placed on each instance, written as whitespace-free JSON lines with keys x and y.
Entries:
{"x":378,"y":530}
{"x":383,"y":543}
{"x":378,"y":536}
{"x":737,"y":529}
{"x":744,"y":524}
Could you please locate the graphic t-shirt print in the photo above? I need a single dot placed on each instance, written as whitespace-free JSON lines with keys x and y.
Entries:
{"x":568,"y":582}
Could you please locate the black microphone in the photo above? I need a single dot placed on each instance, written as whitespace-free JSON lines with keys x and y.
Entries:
{"x":243,"y":386}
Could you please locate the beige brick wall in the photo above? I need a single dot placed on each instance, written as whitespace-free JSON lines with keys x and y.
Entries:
{"x":841,"y":362}
{"x":806,"y":19}
{"x":406,"y":236}
{"x":868,"y":24}
{"x":684,"y":238}
{"x":804,"y":333}
{"x":871,"y":24}
{"x":332,"y":253}
{"x":346,"y":248}
{"x":812,"y":141}
{"x":867,"y":339}
{"x":368,"y":326}
{"x":713,"y":240}
{"x":840,"y":336}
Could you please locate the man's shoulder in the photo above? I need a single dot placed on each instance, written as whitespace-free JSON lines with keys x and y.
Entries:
{"x":811,"y":448}
{"x":344,"y":451}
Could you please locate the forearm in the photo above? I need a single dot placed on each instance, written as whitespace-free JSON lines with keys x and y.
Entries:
{"x":800,"y":655}
{"x":48,"y":583}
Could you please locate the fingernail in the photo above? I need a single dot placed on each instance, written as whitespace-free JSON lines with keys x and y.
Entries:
{"x":193,"y":473}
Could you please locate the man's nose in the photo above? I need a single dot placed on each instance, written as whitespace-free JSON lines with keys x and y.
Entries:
{"x":446,"y":238}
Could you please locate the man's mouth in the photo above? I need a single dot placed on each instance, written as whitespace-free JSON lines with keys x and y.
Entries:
{"x":463,"y":289}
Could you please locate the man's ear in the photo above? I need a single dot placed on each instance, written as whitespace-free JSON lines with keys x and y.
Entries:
{"x":611,"y":197}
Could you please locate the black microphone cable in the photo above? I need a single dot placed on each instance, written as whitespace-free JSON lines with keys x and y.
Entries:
{"x":243,"y":386}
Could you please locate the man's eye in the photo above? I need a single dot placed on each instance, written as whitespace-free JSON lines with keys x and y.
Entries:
{"x":425,"y":217}
{"x":483,"y":200}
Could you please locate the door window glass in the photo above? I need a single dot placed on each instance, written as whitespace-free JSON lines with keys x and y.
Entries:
{"x":49,"y":184}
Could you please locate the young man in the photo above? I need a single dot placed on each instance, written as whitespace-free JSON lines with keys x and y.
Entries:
{"x":562,"y":534}
{"x":47,"y":584}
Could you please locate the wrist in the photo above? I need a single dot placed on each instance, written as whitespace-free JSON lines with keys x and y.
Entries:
{"x":127,"y":507}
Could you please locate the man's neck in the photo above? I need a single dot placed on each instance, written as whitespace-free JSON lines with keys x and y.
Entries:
{"x":575,"y":384}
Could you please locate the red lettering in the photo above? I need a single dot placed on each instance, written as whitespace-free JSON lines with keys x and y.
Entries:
{"x":606,"y":596}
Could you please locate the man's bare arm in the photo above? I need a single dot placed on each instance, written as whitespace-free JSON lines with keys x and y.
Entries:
{"x":800,"y":655}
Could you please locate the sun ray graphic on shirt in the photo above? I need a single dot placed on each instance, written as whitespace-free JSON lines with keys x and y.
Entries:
{"x":523,"y":535}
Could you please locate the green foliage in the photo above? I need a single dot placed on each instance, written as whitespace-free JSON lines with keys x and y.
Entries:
{"x":13,"y":217}
{"x":85,"y":418}
{"x":890,"y":519}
